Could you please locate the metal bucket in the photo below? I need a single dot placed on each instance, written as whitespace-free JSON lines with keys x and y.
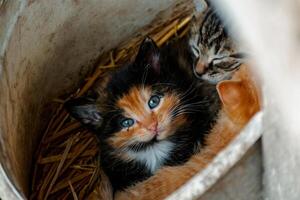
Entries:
{"x":47,"y":47}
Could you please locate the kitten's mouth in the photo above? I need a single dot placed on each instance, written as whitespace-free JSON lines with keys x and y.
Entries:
{"x":146,"y":144}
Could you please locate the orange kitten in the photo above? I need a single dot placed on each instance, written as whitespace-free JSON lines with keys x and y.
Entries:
{"x":240,"y":101}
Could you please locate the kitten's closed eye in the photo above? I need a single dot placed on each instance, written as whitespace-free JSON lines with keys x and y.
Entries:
{"x":226,"y":64}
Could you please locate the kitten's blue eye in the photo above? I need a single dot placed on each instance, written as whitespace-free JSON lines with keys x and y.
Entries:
{"x":153,"y":101}
{"x":126,"y":123}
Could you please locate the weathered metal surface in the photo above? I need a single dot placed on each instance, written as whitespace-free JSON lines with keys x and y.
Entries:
{"x":8,"y":17}
{"x":9,"y":11}
{"x":7,"y":189}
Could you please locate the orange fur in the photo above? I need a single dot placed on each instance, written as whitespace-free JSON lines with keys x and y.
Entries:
{"x":240,"y":98}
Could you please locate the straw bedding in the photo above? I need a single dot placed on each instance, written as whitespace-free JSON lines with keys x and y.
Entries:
{"x":67,"y":164}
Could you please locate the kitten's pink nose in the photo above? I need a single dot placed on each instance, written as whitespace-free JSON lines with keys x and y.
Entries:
{"x":153,"y":128}
{"x":201,"y":67}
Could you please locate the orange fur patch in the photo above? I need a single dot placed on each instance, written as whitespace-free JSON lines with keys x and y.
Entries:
{"x":240,"y":96}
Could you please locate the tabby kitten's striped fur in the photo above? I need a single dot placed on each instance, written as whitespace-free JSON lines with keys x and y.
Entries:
{"x":214,"y":53}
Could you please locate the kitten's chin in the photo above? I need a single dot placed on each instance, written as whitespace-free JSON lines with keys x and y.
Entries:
{"x":142,"y":145}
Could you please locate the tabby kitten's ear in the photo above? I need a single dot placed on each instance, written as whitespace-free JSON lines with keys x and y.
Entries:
{"x":193,"y":37}
{"x":85,"y":110}
{"x":149,"y":55}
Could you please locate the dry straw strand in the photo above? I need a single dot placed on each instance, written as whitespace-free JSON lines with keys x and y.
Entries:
{"x":73,"y":191}
{"x":58,"y":170}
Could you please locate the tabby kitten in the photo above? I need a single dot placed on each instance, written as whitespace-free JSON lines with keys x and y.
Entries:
{"x":151,"y":115}
{"x":240,"y":101}
{"x":214,"y":53}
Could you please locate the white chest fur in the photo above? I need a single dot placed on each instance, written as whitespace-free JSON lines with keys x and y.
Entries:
{"x":154,"y":156}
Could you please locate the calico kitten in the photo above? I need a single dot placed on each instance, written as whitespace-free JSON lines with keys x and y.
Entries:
{"x":215,"y":55}
{"x":151,"y":115}
{"x":240,"y":101}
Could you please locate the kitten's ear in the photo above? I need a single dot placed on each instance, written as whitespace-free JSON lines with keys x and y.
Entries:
{"x":194,"y":26}
{"x":149,"y":55}
{"x":230,"y":93}
{"x":193,"y":37}
{"x":85,"y":110}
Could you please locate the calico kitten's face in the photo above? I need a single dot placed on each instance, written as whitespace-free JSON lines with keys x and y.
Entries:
{"x":147,"y":116}
{"x":215,"y":55}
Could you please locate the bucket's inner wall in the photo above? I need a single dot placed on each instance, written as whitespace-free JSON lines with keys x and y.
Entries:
{"x":51,"y":48}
